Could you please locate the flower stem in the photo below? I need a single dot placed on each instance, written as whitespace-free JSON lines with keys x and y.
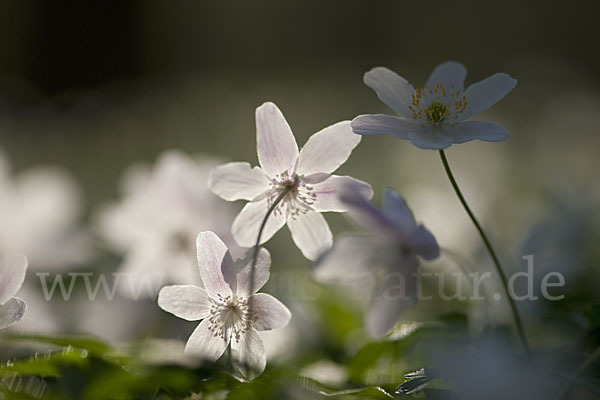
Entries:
{"x":490,"y":249}
{"x":272,"y":208}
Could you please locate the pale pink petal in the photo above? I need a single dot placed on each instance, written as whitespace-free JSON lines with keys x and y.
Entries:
{"x":328,"y":192}
{"x":185,"y":301}
{"x":205,"y":345}
{"x":12,"y":275}
{"x":311,"y":234}
{"x":216,"y":265}
{"x":247,"y":223}
{"x":270,"y":313}
{"x":237,"y":180}
{"x":275,"y":142}
{"x":11,"y":312}
{"x":249,"y":354}
{"x":327,"y":149}
{"x":450,"y":74}
{"x":486,"y":93}
{"x":392,"y":89}
{"x":245,"y":285}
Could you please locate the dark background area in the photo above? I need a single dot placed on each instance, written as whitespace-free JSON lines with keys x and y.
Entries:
{"x":54,"y":47}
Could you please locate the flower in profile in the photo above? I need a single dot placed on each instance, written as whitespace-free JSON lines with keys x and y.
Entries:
{"x":435,"y":116}
{"x":156,"y":223}
{"x":39,"y":211}
{"x":12,"y":275}
{"x":231,"y":311}
{"x":389,"y":253}
{"x":304,"y":179}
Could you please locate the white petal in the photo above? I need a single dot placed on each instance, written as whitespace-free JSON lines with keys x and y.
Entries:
{"x":12,"y":274}
{"x":237,"y":180}
{"x":351,"y":258}
{"x":328,"y":192}
{"x":470,"y":130}
{"x":327,"y":149}
{"x":247,"y":223}
{"x":397,"y":210}
{"x":204,"y":345}
{"x":261,"y":272}
{"x":381,"y":124}
{"x":184,"y":301}
{"x":311,"y":234}
{"x":249,"y":354}
{"x":448,"y":73}
{"x":432,"y":139}
{"x":486,"y":93}
{"x":391,"y":88}
{"x":425,"y":244}
{"x":394,"y":294}
{"x":11,"y":312}
{"x":270,"y":312}
{"x":275,"y":142}
{"x":216,"y":265}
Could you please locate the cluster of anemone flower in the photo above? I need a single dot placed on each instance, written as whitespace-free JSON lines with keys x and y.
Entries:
{"x":157,"y":223}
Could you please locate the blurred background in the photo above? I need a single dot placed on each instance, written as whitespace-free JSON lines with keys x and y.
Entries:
{"x":88,"y":89}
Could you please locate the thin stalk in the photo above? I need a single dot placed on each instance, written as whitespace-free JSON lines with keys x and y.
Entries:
{"x":490,"y":249}
{"x":260,"y":232}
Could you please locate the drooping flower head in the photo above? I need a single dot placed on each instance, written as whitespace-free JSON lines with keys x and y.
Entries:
{"x":12,"y":275}
{"x":390,"y":253}
{"x":304,"y":179}
{"x":435,"y":115}
{"x":229,"y":307}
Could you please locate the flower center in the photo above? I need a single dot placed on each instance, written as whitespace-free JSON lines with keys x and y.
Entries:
{"x":230,"y":317}
{"x":436,"y":112}
{"x":437,"y":105}
{"x":299,"y":197}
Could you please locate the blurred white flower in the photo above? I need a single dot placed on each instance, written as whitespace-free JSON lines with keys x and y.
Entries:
{"x":230,"y":309}
{"x":302,"y":177}
{"x":389,"y":254}
{"x":435,"y":115}
{"x":156,"y":222}
{"x":38,"y":213}
{"x":12,"y":275}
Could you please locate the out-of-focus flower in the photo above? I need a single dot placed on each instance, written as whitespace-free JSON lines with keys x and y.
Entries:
{"x":304,"y":176}
{"x":38,"y":214}
{"x":157,"y":221}
{"x":12,"y":275}
{"x":231,"y":311}
{"x":389,"y":254}
{"x":435,"y":116}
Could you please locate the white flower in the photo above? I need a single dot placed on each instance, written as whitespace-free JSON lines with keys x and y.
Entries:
{"x":390,"y":254}
{"x":305,"y":175}
{"x":12,"y":275}
{"x":39,"y":209}
{"x":157,"y":221}
{"x":231,"y":311}
{"x":435,"y":115}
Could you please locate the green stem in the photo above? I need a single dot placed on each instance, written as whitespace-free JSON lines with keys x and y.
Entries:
{"x":272,"y":208}
{"x":490,"y":249}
